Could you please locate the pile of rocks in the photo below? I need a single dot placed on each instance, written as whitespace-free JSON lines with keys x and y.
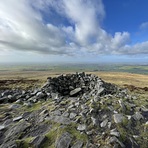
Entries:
{"x":64,"y":85}
{"x":80,"y":110}
{"x":78,"y":84}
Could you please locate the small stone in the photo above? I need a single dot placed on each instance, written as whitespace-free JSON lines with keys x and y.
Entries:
{"x":104,"y":123}
{"x":134,"y":97}
{"x":75,"y":91}
{"x":105,"y":116}
{"x":61,"y":119}
{"x":15,"y":106}
{"x":9,"y":96}
{"x":71,"y":106}
{"x":2,"y":127}
{"x":64,"y":141}
{"x":65,"y":114}
{"x":109,"y":125}
{"x":114,"y":132}
{"x":115,"y":140}
{"x":89,"y":132}
{"x":40,"y":95}
{"x":18,"y":101}
{"x":28,"y":104}
{"x":138,"y":116}
{"x":17,"y":118}
{"x":122,"y":105}
{"x":111,"y":108}
{"x":44,"y":112}
{"x":135,"y":136}
{"x":94,"y":120}
{"x":38,"y":141}
{"x":77,"y":104}
{"x":128,"y":117}
{"x":96,"y":98}
{"x":72,"y":115}
{"x":57,"y":112}
{"x":100,"y":91}
{"x":81,"y":127}
{"x":118,"y":118}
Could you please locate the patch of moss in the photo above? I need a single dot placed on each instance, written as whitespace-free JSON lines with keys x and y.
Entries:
{"x":124,"y":122}
{"x":52,"y":135}
{"x":75,"y":133}
{"x":123,"y":133}
{"x":57,"y":130}
{"x":24,"y":143}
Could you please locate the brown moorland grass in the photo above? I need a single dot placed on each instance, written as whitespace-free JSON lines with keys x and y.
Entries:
{"x":118,"y":78}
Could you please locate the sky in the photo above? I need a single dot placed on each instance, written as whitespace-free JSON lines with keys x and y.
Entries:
{"x":44,"y":31}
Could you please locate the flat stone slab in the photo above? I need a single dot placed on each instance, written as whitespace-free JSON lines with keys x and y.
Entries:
{"x":104,"y":123}
{"x":17,"y":118}
{"x":75,"y":91}
{"x":118,"y":118}
{"x":2,"y":127}
{"x":61,"y":119}
{"x":64,"y":141}
{"x":38,"y":141}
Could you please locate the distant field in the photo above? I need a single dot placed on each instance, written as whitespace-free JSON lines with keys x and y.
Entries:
{"x":118,"y":78}
{"x":117,"y":74}
{"x":138,"y":69}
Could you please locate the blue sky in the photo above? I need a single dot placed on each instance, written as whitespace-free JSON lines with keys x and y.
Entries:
{"x":74,"y":31}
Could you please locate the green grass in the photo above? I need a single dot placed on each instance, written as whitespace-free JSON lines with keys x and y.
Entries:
{"x":57,"y":130}
{"x":139,"y":69}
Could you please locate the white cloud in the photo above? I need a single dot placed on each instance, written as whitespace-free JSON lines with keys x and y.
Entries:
{"x":23,"y":28}
{"x":144,"y":25}
{"x":120,"y":39}
{"x":84,"y":15}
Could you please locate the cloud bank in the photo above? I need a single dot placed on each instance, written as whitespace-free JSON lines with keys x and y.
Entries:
{"x":30,"y":25}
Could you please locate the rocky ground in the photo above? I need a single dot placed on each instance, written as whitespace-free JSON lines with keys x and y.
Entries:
{"x":73,"y":111}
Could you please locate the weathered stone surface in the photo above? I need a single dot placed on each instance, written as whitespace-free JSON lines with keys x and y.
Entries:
{"x":138,"y":116}
{"x":81,"y":127}
{"x":75,"y":91}
{"x":115,"y":140}
{"x":72,"y":115}
{"x":2,"y":127}
{"x":118,"y":118}
{"x":9,"y":144}
{"x":38,"y":141}
{"x":64,"y":141}
{"x":114,"y":132}
{"x":15,"y":106}
{"x":17,"y":118}
{"x":122,"y":105}
{"x":61,"y":119}
{"x":94,"y":121}
{"x":104,"y":123}
{"x":78,"y":144}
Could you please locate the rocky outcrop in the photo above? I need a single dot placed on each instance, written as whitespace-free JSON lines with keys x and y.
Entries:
{"x":75,"y":110}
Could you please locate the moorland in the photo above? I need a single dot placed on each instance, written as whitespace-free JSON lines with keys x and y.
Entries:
{"x":108,"y":108}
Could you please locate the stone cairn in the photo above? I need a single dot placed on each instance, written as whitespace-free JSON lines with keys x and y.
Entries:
{"x":79,"y":84}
